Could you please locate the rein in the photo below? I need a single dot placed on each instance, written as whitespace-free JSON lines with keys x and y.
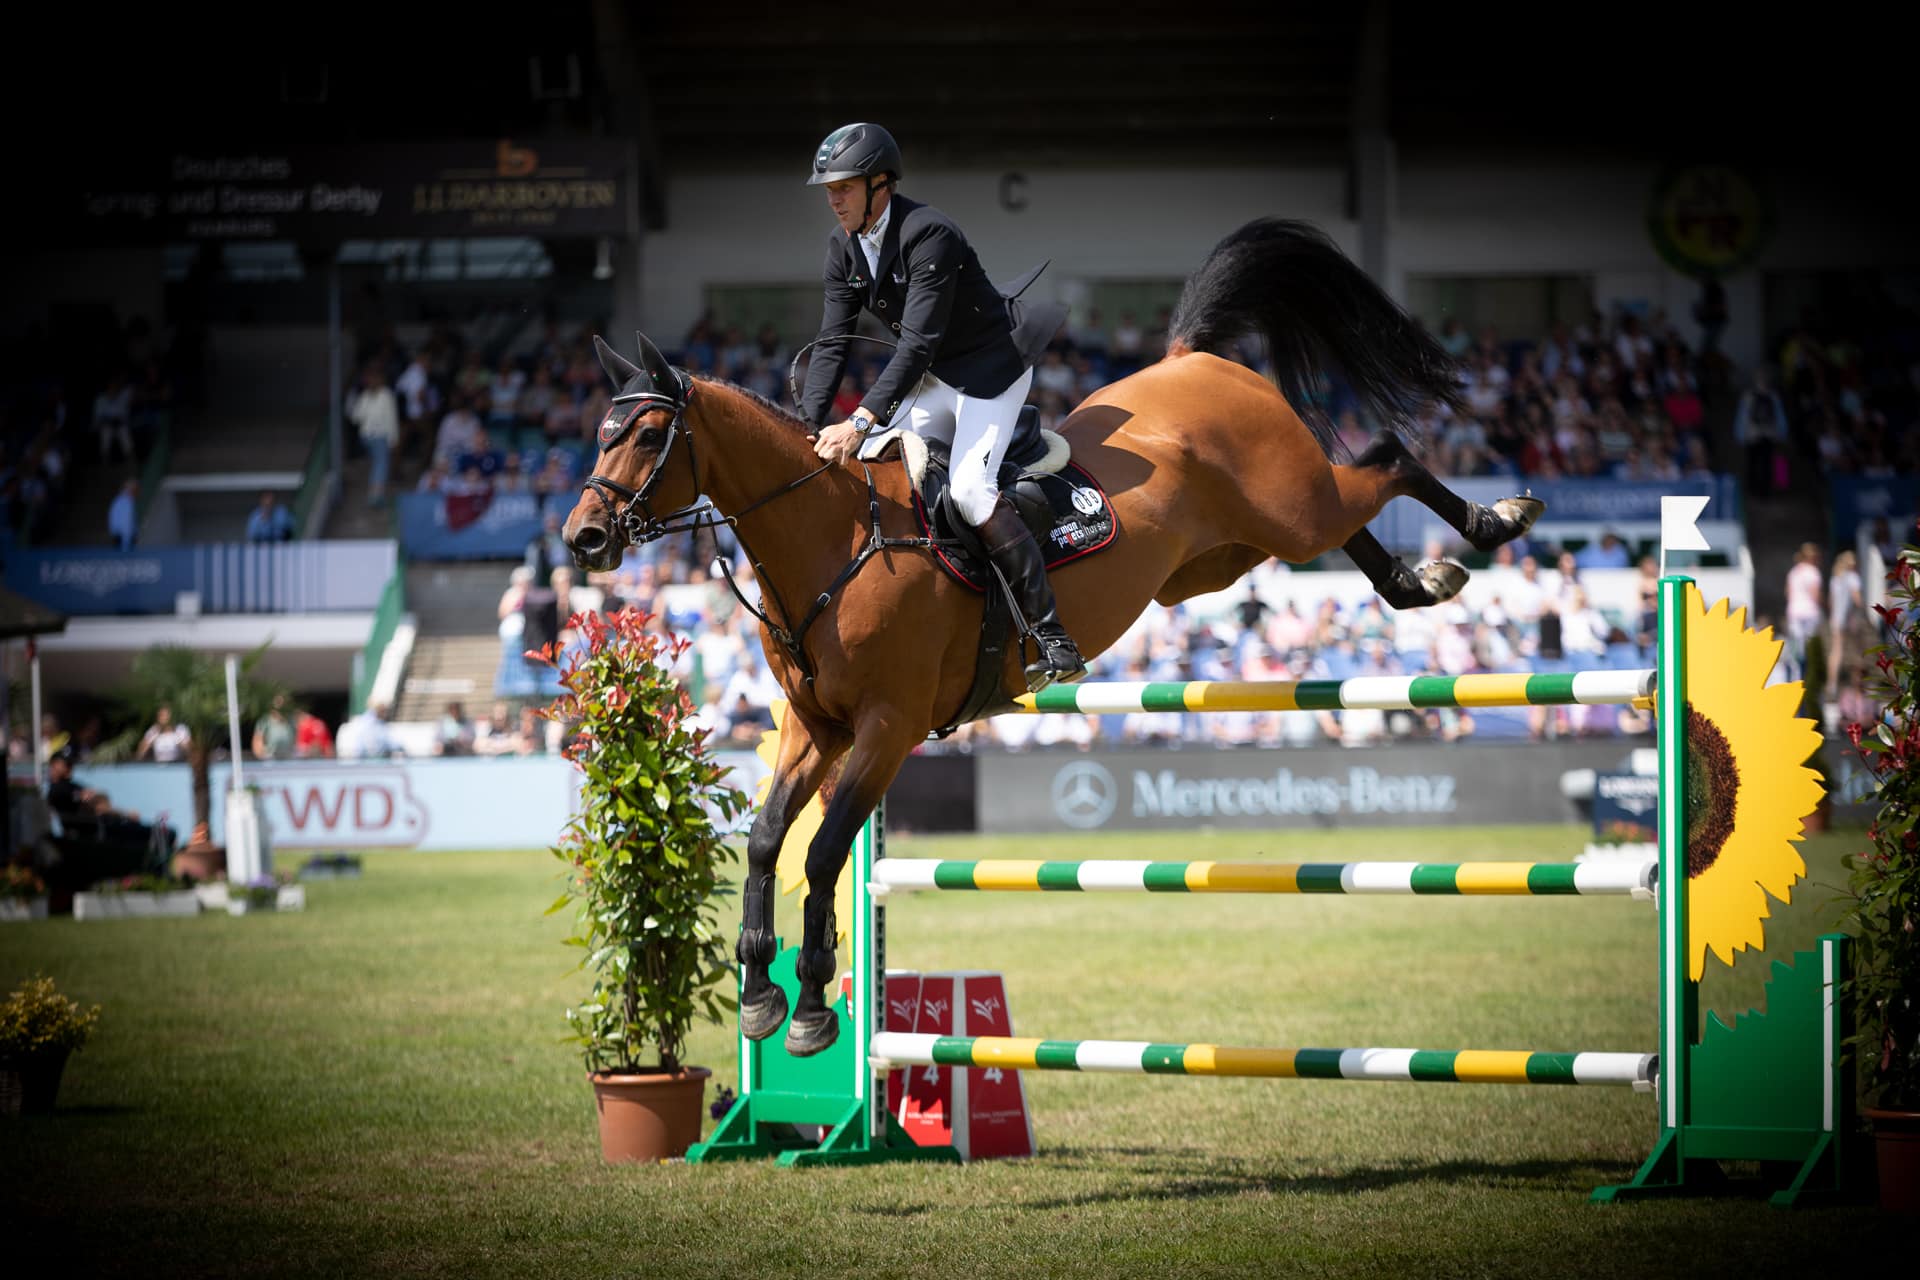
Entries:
{"x":638,"y":524}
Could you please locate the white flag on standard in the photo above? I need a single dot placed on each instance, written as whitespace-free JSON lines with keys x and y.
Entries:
{"x":1678,"y":532}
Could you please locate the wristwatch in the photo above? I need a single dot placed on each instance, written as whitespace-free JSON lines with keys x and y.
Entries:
{"x":871,"y":423}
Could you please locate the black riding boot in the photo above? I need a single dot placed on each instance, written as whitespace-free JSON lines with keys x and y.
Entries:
{"x":1010,"y":543}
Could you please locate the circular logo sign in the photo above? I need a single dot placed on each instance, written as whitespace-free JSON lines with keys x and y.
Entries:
{"x":1086,"y":501}
{"x":1709,"y":219}
{"x":1084,"y":795}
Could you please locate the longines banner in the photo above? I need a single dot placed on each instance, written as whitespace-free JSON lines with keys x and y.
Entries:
{"x":544,"y":187}
{"x":1161,"y":790}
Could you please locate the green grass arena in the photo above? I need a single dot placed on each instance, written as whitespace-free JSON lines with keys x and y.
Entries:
{"x":376,"y":1086}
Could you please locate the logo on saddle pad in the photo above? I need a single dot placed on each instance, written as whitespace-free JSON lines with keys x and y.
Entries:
{"x":1086,"y":501}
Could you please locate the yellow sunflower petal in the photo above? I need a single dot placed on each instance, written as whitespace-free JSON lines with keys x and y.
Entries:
{"x":1727,"y":670}
{"x":792,"y":865}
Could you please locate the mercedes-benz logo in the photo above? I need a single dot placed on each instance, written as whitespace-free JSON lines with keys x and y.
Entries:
{"x":1083,"y":794}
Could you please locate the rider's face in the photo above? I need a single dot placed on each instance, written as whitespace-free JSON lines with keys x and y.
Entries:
{"x":848,"y":199}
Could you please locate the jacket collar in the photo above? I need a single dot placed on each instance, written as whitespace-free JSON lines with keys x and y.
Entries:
{"x":897,"y":210}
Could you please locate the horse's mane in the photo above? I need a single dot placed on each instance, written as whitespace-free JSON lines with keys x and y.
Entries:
{"x":778,"y":413}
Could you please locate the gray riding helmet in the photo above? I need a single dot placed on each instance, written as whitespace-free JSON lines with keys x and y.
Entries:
{"x":855,"y":151}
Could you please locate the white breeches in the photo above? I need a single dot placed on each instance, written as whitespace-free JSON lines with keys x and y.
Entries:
{"x":977,"y":431}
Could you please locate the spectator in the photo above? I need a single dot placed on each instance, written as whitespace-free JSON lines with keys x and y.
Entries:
{"x":1608,"y":553}
{"x":164,"y":741}
{"x":84,"y":812}
{"x":454,"y":735}
{"x":1806,"y":605}
{"x":547,"y":550}
{"x":312,"y":739}
{"x":746,"y":722}
{"x":1850,"y":626}
{"x":459,"y":434}
{"x":1760,"y":427}
{"x":375,"y":411}
{"x":273,"y":733}
{"x":112,"y":416}
{"x":368,"y":736}
{"x":496,"y":736}
{"x":269,"y":521}
{"x":123,"y":521}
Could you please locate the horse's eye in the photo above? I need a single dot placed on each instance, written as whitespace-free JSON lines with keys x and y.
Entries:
{"x":651,"y":437}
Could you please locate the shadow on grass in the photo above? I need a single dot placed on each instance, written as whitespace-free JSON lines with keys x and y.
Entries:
{"x":1151,"y":1175}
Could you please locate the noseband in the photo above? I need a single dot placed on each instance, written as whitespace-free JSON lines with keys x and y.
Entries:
{"x":636,"y":521}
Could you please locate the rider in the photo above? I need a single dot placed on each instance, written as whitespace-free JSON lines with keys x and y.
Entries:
{"x":961,"y":368}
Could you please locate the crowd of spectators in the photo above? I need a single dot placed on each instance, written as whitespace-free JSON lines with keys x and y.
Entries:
{"x":101,"y":404}
{"x":1618,"y":397}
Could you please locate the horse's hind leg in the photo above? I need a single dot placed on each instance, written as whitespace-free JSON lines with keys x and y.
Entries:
{"x":1483,"y":527}
{"x":1399,"y":586}
{"x":797,"y":775}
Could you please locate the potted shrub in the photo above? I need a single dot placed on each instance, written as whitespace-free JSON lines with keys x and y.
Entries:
{"x":645,"y":856}
{"x":23,"y":895}
{"x":39,"y":1028}
{"x":1884,"y":897}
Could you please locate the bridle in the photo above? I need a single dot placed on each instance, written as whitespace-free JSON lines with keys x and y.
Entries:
{"x":636,"y":522}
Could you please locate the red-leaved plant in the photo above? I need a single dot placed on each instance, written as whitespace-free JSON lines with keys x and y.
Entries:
{"x":646,"y":850}
{"x":1884,"y":912}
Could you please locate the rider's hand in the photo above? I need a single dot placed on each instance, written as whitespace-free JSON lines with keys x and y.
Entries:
{"x":840,"y":441}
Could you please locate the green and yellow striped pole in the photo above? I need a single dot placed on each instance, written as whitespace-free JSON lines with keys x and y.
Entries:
{"x":1464,"y":1066}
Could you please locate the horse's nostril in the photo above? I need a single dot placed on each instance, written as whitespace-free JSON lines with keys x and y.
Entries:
{"x":590,"y":539}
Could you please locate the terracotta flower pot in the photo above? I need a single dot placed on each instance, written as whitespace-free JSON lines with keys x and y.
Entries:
{"x":29,"y":1085}
{"x":1896,"y":1140}
{"x":648,"y":1118}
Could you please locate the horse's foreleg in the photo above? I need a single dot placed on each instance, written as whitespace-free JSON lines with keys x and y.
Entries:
{"x":803,"y":764}
{"x":880,"y":746}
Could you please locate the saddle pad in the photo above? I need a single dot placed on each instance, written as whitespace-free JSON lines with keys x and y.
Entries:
{"x":1082,"y":522}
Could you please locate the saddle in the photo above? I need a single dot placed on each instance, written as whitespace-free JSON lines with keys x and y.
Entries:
{"x":1058,"y":499}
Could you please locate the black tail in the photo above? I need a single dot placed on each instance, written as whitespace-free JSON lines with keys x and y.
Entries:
{"x":1319,"y":313}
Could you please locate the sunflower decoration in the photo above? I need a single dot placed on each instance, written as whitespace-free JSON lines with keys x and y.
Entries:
{"x":1747,"y":786}
{"x":791,"y":867}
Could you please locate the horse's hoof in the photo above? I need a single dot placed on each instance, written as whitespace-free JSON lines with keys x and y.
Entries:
{"x":812,"y":1032}
{"x":1442,"y":580}
{"x":1520,"y":513}
{"x":761,"y":1018}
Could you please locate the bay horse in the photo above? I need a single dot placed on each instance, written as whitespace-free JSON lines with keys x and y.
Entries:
{"x":1211,"y":469}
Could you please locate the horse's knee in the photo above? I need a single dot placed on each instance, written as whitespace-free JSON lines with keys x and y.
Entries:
{"x":763,"y":842}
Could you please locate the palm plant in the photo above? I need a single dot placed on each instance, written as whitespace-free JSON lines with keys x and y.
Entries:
{"x":194,"y":685}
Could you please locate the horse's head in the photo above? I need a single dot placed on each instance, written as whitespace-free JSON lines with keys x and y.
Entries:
{"x":640,"y":478}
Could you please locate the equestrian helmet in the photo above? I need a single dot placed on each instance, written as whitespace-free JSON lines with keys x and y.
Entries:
{"x":855,"y":151}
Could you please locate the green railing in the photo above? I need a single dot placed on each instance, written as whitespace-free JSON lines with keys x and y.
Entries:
{"x":154,"y":473}
{"x":314,"y":478}
{"x":386,"y":618}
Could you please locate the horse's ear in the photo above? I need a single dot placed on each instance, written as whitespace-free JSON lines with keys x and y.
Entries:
{"x":658,"y":367}
{"x":618,"y":367}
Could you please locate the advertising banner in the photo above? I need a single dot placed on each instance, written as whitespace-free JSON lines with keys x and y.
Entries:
{"x":544,"y":187}
{"x":1626,"y":808}
{"x":497,"y":526}
{"x":1426,"y":784}
{"x":521,"y":802}
{"x":229,"y":577}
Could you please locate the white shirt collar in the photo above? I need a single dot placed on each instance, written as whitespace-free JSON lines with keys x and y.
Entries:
{"x":874,"y":237}
{"x":877,"y":233}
